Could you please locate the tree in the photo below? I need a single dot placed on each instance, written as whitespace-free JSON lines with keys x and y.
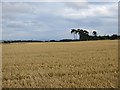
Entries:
{"x":80,"y":33}
{"x":94,"y":33}
{"x":74,"y":32}
{"x":114,"y":36}
{"x":83,"y":34}
{"x":86,"y":35}
{"x":86,"y":32}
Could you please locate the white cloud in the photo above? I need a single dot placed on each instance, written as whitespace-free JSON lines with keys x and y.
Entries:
{"x":91,"y":11}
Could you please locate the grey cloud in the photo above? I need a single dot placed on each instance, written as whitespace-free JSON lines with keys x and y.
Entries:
{"x":15,"y":7}
{"x":77,"y":5}
{"x":54,"y":20}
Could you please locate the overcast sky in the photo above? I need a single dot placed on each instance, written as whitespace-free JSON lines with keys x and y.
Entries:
{"x":54,"y":20}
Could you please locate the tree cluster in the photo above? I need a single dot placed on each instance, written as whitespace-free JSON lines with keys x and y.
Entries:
{"x":84,"y":35}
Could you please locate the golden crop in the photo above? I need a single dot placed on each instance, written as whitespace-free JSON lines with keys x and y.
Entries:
{"x":85,"y":64}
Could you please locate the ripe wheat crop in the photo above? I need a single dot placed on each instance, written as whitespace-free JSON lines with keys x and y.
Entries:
{"x":85,"y":64}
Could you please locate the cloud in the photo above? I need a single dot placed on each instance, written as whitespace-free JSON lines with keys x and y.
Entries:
{"x":59,"y":0}
{"x":0,"y":21}
{"x":44,"y":1}
{"x":77,"y":5}
{"x":90,"y":11}
{"x":17,"y":8}
{"x":53,"y":20}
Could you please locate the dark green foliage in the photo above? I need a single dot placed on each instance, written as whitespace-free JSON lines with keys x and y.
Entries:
{"x":84,"y":35}
{"x":94,"y":33}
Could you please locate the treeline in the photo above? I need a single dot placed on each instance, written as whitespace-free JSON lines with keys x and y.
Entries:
{"x":29,"y":41}
{"x":17,"y":41}
{"x":83,"y":36}
{"x":107,"y":37}
{"x":112,"y":37}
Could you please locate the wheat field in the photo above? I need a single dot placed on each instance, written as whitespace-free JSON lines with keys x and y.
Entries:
{"x":85,"y":64}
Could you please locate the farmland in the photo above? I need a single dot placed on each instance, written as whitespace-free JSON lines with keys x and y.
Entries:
{"x":85,"y":64}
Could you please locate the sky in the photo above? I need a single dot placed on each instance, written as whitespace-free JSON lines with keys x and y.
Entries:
{"x":54,"y":20}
